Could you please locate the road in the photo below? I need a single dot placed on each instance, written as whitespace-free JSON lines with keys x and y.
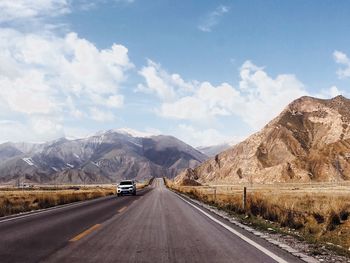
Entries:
{"x":154,"y":226}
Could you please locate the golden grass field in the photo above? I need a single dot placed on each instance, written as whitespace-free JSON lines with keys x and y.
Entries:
{"x":320,"y":212}
{"x":14,"y":200}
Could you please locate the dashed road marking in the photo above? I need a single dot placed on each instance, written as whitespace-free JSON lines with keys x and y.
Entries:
{"x":121,"y":210}
{"x":85,"y":233}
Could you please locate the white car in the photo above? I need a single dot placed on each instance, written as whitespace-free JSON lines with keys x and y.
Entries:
{"x":126,"y":187}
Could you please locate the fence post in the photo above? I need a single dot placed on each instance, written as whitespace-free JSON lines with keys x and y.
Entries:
{"x":214,"y":193}
{"x":244,"y":200}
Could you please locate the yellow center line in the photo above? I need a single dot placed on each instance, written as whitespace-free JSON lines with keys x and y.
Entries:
{"x":122,"y":209}
{"x":86,"y":232}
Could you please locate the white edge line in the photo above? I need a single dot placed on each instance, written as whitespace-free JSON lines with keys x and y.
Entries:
{"x":246,"y":239}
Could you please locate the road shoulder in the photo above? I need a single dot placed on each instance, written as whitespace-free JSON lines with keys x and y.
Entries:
{"x":261,"y":238}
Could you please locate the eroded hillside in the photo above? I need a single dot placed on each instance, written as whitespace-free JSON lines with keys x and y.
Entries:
{"x":308,"y":141}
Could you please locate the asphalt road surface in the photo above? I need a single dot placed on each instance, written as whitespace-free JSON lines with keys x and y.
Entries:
{"x":154,"y":226}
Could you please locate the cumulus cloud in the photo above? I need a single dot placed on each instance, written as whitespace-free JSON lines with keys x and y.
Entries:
{"x":209,"y":21}
{"x":39,"y":72}
{"x":331,"y":92}
{"x":99,"y":115}
{"x":12,"y":130}
{"x":73,"y":111}
{"x":46,"y":80}
{"x":256,"y":100}
{"x":34,"y":130}
{"x":206,"y":101}
{"x":115,"y":101}
{"x":46,"y":127}
{"x":265,"y":97}
{"x":166,"y":86}
{"x":49,"y":79}
{"x":201,"y":137}
{"x":11,"y":10}
{"x":343,"y":60}
{"x":27,"y":93}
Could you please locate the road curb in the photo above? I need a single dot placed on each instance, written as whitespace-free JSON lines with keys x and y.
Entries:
{"x":255,"y":232}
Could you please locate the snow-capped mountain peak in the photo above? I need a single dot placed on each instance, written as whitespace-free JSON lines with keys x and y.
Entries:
{"x":104,"y":157}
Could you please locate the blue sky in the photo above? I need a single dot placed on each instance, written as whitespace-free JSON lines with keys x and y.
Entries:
{"x":204,"y":71}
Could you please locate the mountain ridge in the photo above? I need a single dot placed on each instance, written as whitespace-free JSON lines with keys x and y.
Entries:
{"x":308,"y":141}
{"x":104,"y":157}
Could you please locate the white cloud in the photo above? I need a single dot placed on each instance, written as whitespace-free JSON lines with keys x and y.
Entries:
{"x":331,"y":92}
{"x":37,"y":129}
{"x":101,"y":116}
{"x":12,"y":10}
{"x":342,"y":59}
{"x":205,"y":102}
{"x":166,"y":86}
{"x":115,"y":101}
{"x":77,"y":114}
{"x":47,"y":128}
{"x":212,"y":19}
{"x":334,"y":91}
{"x":157,"y":81}
{"x":89,"y":70}
{"x":258,"y":98}
{"x":11,"y":131}
{"x":53,"y":79}
{"x":26,"y":94}
{"x":201,"y":137}
{"x":265,"y":97}
{"x":47,"y":79}
{"x":185,"y":108}
{"x":39,"y":72}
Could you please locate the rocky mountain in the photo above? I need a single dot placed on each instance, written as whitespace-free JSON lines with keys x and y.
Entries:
{"x":102,"y":158}
{"x":308,"y":141}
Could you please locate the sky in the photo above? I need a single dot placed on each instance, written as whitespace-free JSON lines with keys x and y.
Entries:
{"x":207,"y":72}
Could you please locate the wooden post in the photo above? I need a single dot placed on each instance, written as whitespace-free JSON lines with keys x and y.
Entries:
{"x":215,"y":194}
{"x":244,"y":201}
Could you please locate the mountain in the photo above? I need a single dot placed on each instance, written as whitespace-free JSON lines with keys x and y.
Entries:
{"x":102,"y":158}
{"x":308,"y":141}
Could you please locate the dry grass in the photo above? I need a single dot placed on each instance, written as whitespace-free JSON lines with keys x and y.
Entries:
{"x":17,"y":201}
{"x":319,"y":212}
{"x":14,"y":200}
